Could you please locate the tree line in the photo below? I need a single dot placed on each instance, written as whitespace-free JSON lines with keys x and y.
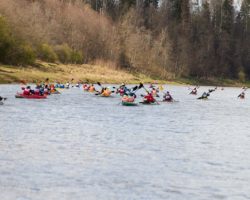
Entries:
{"x":163,"y":39}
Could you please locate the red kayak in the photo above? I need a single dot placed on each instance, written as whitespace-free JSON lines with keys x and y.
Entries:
{"x":31,"y":96}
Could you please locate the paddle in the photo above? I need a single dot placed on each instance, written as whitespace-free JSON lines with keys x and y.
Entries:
{"x":136,"y":88}
{"x":241,"y":95}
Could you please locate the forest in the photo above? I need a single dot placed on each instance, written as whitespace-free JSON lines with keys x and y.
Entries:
{"x":164,"y":39}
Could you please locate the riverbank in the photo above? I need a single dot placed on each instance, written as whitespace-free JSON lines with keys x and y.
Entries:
{"x":94,"y":73}
{"x":64,"y":73}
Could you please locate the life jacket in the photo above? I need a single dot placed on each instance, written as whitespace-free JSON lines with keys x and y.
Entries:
{"x":149,"y":98}
{"x":242,"y":96}
{"x":91,"y":89}
{"x":121,"y":91}
{"x":168,"y":97}
{"x":106,"y":93}
{"x":37,"y":91}
{"x":52,"y":87}
{"x":194,"y":92}
{"x":85,"y":87}
{"x":26,"y":91}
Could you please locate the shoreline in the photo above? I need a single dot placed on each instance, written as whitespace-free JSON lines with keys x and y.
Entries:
{"x":95,"y":73}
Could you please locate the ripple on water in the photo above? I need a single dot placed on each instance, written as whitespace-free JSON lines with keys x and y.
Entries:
{"x":79,"y":146}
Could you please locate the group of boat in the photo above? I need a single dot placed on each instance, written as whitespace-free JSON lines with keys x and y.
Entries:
{"x":128,"y":94}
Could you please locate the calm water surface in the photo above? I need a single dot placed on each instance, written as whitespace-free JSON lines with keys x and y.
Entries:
{"x":77,"y":146}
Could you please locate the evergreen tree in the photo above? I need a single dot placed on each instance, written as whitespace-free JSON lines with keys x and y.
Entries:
{"x":227,"y":16}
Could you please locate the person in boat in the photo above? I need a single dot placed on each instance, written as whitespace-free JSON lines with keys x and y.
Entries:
{"x":122,"y":90}
{"x":78,"y":85}
{"x":205,"y":95}
{"x":46,"y":90}
{"x":129,"y":97}
{"x":105,"y":92}
{"x":85,"y":86}
{"x":194,"y":91}
{"x":67,"y":85}
{"x":27,"y":90}
{"x":149,"y":98}
{"x":242,"y":95}
{"x":41,"y":91}
{"x":167,"y":97}
{"x":37,"y":90}
{"x":91,"y":88}
{"x":154,"y":92}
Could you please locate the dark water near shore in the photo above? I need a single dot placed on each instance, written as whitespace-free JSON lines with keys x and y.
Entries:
{"x":78,"y":146}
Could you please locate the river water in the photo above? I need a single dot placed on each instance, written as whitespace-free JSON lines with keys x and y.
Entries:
{"x":77,"y":146}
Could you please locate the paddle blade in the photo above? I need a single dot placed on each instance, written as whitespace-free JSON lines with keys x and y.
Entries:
{"x":98,"y":83}
{"x":135,"y":88}
{"x":161,"y":88}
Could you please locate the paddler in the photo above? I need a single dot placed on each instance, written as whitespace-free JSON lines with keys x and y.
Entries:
{"x":26,"y":91}
{"x":167,"y":97}
{"x":241,"y":95}
{"x":154,"y":92}
{"x":106,"y":92}
{"x":194,"y":91}
{"x":91,"y":88}
{"x":149,"y":98}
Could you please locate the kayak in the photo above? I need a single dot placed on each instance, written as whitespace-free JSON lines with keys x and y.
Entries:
{"x":169,"y":101}
{"x":147,"y":103}
{"x":124,"y":103}
{"x":107,"y":94}
{"x":202,"y":98}
{"x":104,"y":95}
{"x":55,"y":92}
{"x":31,"y":96}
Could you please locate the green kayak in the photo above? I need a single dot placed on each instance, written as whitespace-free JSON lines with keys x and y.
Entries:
{"x":124,"y":103}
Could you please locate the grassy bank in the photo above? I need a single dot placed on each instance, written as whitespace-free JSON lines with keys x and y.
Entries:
{"x":93,"y":73}
{"x":63,"y":73}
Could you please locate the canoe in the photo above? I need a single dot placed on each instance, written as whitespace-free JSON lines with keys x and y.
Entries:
{"x":31,"y":96}
{"x":124,"y":103}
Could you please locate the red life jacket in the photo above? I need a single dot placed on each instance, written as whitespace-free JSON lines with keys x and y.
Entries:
{"x":149,"y":98}
{"x":26,"y":92}
{"x":36,"y":92}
